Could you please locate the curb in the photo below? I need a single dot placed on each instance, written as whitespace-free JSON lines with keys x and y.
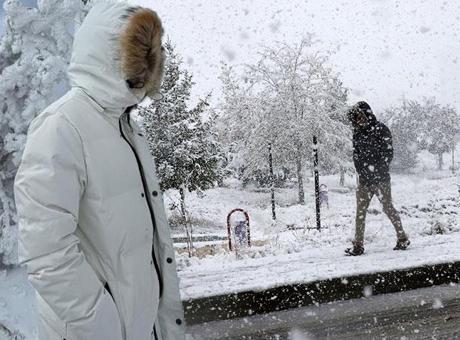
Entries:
{"x":248,"y":303}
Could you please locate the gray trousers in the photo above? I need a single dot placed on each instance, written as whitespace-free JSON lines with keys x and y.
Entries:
{"x":364,"y":194}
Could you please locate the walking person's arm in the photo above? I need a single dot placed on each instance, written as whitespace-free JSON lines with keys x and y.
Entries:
{"x":48,"y":187}
{"x":357,"y":161}
{"x":387,"y":144}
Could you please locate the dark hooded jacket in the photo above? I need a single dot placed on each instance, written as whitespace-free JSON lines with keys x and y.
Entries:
{"x":372,"y":147}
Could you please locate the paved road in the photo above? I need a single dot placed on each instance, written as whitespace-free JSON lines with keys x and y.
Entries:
{"x":428,"y":313}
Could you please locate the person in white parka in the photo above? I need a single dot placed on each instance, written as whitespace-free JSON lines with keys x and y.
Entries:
{"x":92,"y":226}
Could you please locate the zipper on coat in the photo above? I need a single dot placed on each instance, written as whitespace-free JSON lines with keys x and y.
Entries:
{"x":147,"y":198}
{"x":107,"y":288}
{"x":155,"y":332}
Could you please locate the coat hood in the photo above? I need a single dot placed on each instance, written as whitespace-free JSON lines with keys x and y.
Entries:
{"x":117,"y":57}
{"x":361,"y":107}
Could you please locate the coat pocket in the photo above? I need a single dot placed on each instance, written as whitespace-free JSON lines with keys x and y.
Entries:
{"x":102,"y":322}
{"x":112,"y":294}
{"x":46,"y":332}
{"x":51,"y":322}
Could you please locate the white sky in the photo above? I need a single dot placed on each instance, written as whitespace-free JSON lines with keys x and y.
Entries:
{"x":386,"y":49}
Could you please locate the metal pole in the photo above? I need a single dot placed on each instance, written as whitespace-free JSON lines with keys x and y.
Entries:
{"x":315,"y":167}
{"x":272,"y":181}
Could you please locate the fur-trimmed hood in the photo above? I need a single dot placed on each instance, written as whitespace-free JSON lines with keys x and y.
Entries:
{"x":117,"y":56}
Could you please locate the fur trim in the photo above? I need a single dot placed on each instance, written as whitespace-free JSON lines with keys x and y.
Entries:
{"x":142,"y":56}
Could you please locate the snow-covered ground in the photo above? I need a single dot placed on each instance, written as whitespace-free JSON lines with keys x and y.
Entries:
{"x":292,"y":250}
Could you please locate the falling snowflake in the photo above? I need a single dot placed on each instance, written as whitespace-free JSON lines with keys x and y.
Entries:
{"x":437,"y":304}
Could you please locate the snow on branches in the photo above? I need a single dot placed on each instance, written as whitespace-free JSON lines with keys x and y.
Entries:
{"x":184,"y":145}
{"x":424,"y":125}
{"x":279,"y":103}
{"x":34,"y":52}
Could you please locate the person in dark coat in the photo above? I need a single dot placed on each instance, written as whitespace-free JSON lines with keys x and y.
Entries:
{"x":372,"y":155}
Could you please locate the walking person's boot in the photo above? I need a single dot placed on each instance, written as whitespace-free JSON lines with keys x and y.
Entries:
{"x":384,"y":195}
{"x":402,"y":244}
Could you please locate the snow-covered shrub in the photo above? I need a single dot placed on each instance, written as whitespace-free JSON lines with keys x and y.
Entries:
{"x":34,"y":53}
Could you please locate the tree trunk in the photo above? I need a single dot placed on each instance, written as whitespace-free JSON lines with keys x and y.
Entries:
{"x":186,"y":221}
{"x":300,"y":178}
{"x":342,"y":177}
{"x":272,"y":181}
{"x":440,"y":162}
{"x":182,"y":203}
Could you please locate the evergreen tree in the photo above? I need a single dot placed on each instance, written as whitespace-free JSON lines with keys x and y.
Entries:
{"x":34,"y":54}
{"x":185,"y":146}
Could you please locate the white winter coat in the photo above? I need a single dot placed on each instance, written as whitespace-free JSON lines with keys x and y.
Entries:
{"x":90,"y":208}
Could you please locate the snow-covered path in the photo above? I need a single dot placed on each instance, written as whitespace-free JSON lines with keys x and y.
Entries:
{"x":312,"y":265}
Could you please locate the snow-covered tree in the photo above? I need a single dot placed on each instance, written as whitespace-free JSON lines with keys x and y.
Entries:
{"x":34,"y":53}
{"x":425,"y":125}
{"x":404,"y":124}
{"x":248,"y":127}
{"x":282,"y":101}
{"x":184,"y":145}
{"x":439,"y":126}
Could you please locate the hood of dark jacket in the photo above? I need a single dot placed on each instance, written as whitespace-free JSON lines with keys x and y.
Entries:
{"x":361,"y":108}
{"x":117,"y":56}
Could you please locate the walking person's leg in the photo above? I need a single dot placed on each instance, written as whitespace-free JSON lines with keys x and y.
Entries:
{"x":363,"y":198}
{"x":384,"y":196}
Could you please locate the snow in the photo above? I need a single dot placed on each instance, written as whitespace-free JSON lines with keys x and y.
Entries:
{"x":282,"y":255}
{"x":382,"y":46}
{"x":34,"y":52}
{"x":293,"y":251}
{"x":390,"y":316}
{"x":381,"y":56}
{"x":310,"y":265}
{"x":17,"y":305}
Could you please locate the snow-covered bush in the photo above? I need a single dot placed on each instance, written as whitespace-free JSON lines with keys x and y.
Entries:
{"x":34,"y":53}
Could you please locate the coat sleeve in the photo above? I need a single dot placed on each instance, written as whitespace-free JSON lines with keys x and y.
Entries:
{"x":357,"y":157}
{"x":49,"y":184}
{"x":387,"y":144}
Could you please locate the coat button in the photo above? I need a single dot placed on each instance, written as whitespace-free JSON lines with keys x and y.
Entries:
{"x":169,"y":260}
{"x":142,"y":194}
{"x":155,"y":193}
{"x":179,"y":321}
